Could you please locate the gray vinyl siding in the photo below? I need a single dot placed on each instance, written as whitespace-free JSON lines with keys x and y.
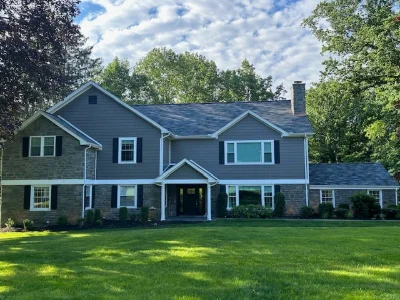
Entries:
{"x":186,"y":172}
{"x":206,"y":153}
{"x":166,"y":153}
{"x":107,"y":120}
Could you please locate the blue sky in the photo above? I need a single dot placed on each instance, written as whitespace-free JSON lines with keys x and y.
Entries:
{"x":266,"y":32}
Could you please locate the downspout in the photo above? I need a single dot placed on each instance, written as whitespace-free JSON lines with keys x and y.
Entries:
{"x":306,"y":166}
{"x":1,"y":182}
{"x":396,"y":196}
{"x":84,"y":184}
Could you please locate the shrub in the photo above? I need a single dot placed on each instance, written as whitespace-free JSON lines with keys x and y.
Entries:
{"x":364,"y":206}
{"x":123,"y":214}
{"x":28,"y":224}
{"x":144,"y":213}
{"x":342,"y":213}
{"x":98,"y":222}
{"x":90,"y":217}
{"x":133,"y":217}
{"x":221,"y":204}
{"x":81,"y":222}
{"x":306,"y":212}
{"x":325,"y":210}
{"x":98,"y":215}
{"x":9,"y":223}
{"x":344,"y":205}
{"x":390,"y":213}
{"x":280,"y":205}
{"x":251,"y":211}
{"x":62,"y":221}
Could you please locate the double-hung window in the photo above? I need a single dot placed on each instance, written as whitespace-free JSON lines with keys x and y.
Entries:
{"x":127,"y":196}
{"x":377,"y":194}
{"x":88,"y":197}
{"x":327,"y":196}
{"x":268,"y":197}
{"x":245,"y":195}
{"x":42,"y":146}
{"x":127,"y":150}
{"x":40,"y":198}
{"x":249,"y":152}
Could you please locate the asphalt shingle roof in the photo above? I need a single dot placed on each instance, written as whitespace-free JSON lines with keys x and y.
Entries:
{"x":365,"y":174}
{"x":206,"y":118}
{"x":68,"y":126}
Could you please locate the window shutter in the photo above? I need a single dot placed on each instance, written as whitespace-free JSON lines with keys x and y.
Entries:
{"x":277,"y":152}
{"x":115,"y":150}
{"x":27,"y":196}
{"x":25,"y":146}
{"x":222,"y":189}
{"x":54,"y":195}
{"x":277,"y":189}
{"x":93,"y":195}
{"x":58,"y":145}
{"x":221,"y":153}
{"x":140,"y":195}
{"x":139,"y":150}
{"x":114,"y":195}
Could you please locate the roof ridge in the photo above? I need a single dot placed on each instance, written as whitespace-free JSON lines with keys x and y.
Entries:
{"x":198,"y":103}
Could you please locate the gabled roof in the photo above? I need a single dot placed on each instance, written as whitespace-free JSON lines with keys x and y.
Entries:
{"x":71,"y":97}
{"x":351,"y":174}
{"x":207,"y":175}
{"x":206,"y":119}
{"x":82,"y":137}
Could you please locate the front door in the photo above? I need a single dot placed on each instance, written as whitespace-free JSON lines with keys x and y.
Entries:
{"x":191,"y":200}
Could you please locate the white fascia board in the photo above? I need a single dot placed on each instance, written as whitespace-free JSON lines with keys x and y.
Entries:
{"x":43,"y":181}
{"x":262,"y":181}
{"x":245,"y":114}
{"x":194,"y":137}
{"x":121,"y":181}
{"x":89,"y":84}
{"x":352,"y":187}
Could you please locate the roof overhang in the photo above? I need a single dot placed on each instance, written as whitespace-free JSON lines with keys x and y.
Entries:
{"x":209,"y":177}
{"x":353,"y":187}
{"x":71,"y":97}
{"x":81,"y":141}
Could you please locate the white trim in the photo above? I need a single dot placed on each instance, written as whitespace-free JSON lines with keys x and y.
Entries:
{"x":163,"y":202}
{"x":42,"y":137}
{"x":242,"y":116}
{"x":306,"y":167}
{"x":90,"y":196}
{"x":396,"y":196}
{"x":43,"y":182}
{"x":208,"y":176}
{"x":169,"y":153}
{"x":194,"y":137}
{"x":31,"y":208}
{"x":134,"y":139}
{"x":41,"y":113}
{"x":263,"y":181}
{"x":121,"y":181}
{"x":208,"y":202}
{"x":184,"y":181}
{"x":236,"y":186}
{"x":119,"y":195}
{"x":333,"y":196}
{"x":380,"y":195}
{"x":262,"y":142}
{"x":351,"y":187}
{"x":90,"y":84}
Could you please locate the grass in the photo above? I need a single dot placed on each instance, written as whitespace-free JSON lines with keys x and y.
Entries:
{"x":226,"y":259}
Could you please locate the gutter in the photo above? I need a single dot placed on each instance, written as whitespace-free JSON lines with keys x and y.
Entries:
{"x":306,"y":167}
{"x":1,"y":182}
{"x":84,"y":183}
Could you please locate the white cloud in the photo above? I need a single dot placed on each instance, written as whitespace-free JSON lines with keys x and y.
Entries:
{"x":266,"y":32}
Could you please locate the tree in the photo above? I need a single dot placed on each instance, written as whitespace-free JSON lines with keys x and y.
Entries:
{"x":42,"y":56}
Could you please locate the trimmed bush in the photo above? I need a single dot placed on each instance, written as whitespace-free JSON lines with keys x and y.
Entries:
{"x":364,"y":206}
{"x":222,"y":202}
{"x":390,"y":213}
{"x":251,"y":211}
{"x":280,"y":205}
{"x":9,"y":223}
{"x":144,"y":213}
{"x":344,"y":205}
{"x":98,"y":215}
{"x":134,"y":217}
{"x":90,"y":217}
{"x":62,"y":221}
{"x":342,"y":213}
{"x":306,"y":212}
{"x":28,"y":224}
{"x":325,"y":210}
{"x":123,"y":214}
{"x":98,"y":222}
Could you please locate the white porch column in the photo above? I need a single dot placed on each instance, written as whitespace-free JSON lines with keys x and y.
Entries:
{"x":163,"y":202}
{"x":396,"y":196}
{"x":208,"y":202}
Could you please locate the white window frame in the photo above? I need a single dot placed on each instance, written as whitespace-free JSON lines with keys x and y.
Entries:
{"x":333,"y":196}
{"x":42,"y":145}
{"x":90,"y":196}
{"x":32,"y":207}
{"x":380,"y":196}
{"x":119,"y":195}
{"x":262,"y":200}
{"x":120,"y":149}
{"x":249,"y":163}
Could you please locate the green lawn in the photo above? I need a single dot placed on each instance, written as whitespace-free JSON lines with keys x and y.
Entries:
{"x":219,"y":260}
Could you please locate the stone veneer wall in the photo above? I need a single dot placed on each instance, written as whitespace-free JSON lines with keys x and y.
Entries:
{"x":295,"y":197}
{"x":69,"y":204}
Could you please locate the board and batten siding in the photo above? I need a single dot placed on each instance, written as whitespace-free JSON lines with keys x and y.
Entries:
{"x":206,"y":153}
{"x":107,"y":120}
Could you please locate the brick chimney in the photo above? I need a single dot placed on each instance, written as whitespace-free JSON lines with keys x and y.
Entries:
{"x":298,"y":98}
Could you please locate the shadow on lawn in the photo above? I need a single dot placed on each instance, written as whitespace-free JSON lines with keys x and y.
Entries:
{"x":197,"y":263}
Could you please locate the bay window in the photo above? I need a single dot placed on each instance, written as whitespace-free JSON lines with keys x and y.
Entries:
{"x":249,"y":152}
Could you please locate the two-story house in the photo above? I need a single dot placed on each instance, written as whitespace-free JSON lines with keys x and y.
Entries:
{"x":92,"y":150}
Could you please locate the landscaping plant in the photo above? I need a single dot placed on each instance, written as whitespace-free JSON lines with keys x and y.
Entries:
{"x":325,"y":210}
{"x":280,"y":205}
{"x":62,"y":221}
{"x":123,"y":214}
{"x":9,"y":223}
{"x":306,"y":212}
{"x":364,"y":206}
{"x":144,"y":213}
{"x":28,"y":224}
{"x":222,"y":204}
{"x":90,"y":217}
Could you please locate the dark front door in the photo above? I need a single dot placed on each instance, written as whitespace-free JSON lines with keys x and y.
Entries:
{"x":191,"y":200}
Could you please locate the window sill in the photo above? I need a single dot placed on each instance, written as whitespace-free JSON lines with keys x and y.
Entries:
{"x":40,"y":209}
{"x":129,"y":207}
{"x":248,"y":164}
{"x":127,"y":162}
